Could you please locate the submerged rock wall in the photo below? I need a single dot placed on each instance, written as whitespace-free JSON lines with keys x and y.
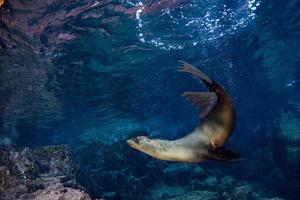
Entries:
{"x":282,"y":150}
{"x":40,"y":174}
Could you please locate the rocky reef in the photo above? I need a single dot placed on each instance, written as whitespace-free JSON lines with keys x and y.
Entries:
{"x":114,"y":171}
{"x":282,"y":150}
{"x":43,"y":173}
{"x":130,"y":175}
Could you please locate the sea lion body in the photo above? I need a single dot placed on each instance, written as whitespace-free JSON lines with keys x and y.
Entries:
{"x":206,"y":140}
{"x":219,"y":123}
{"x":181,"y":150}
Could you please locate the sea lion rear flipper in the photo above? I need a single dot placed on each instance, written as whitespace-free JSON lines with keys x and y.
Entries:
{"x":204,"y":100}
{"x":223,"y":154}
{"x":186,"y":67}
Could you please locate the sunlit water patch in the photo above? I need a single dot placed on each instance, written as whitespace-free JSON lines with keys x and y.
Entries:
{"x":189,"y":23}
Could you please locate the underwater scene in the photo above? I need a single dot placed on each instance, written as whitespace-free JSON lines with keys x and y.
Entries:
{"x":150,"y":99}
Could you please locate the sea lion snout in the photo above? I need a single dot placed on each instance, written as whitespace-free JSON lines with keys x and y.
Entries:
{"x":138,"y":141}
{"x":132,"y":142}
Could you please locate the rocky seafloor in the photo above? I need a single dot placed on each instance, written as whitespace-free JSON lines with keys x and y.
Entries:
{"x":93,"y":169}
{"x":40,"y":174}
{"x":49,"y":173}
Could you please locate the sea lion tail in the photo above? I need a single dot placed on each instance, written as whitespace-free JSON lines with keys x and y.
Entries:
{"x":186,"y":67}
{"x":223,"y":154}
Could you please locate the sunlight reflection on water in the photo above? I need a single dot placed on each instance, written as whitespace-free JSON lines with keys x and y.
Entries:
{"x":205,"y":21}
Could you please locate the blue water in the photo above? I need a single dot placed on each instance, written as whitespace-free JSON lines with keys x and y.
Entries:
{"x":92,"y":74}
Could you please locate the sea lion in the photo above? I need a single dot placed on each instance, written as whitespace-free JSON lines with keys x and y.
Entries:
{"x":207,"y":140}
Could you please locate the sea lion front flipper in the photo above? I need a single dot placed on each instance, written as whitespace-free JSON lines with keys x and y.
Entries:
{"x":223,"y":154}
{"x":204,"y":100}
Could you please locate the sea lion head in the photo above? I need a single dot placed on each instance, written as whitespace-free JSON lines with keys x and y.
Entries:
{"x":144,"y":144}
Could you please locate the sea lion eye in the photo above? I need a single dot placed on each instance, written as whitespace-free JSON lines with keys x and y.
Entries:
{"x":147,"y":140}
{"x":135,"y":140}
